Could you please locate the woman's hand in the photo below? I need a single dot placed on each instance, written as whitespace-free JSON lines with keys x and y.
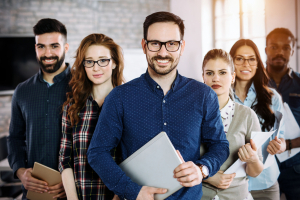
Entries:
{"x":220,"y":180}
{"x":248,"y":153}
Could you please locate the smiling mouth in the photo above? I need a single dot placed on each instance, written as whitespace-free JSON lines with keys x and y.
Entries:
{"x":245,"y":72}
{"x":162,"y":61}
{"x":97,"y":75}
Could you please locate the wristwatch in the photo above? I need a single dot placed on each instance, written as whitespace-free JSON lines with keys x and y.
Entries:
{"x":204,"y":170}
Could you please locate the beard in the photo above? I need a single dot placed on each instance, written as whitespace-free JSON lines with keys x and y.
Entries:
{"x":51,"y":68}
{"x":166,"y":70}
{"x":278,"y":67}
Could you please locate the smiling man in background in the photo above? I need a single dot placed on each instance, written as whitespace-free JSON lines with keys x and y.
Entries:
{"x":160,"y":100}
{"x":279,"y":50}
{"x":35,"y":128}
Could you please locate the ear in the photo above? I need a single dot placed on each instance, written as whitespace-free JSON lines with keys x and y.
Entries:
{"x":143,"y":43}
{"x":66,"y":46}
{"x":35,"y":47}
{"x":182,"y":47}
{"x":113,"y":66}
{"x":233,"y":78}
{"x":203,"y":78}
{"x":266,"y":50}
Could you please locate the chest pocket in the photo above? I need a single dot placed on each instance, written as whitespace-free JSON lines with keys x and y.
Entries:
{"x":294,"y":100}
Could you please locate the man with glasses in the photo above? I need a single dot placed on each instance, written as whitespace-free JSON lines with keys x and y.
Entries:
{"x":160,"y":100}
{"x":279,"y":49}
{"x":35,"y":128}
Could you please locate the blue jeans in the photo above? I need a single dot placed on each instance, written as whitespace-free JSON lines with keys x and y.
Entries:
{"x":289,"y":182}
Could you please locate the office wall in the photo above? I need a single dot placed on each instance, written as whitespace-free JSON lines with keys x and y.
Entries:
{"x":120,"y":19}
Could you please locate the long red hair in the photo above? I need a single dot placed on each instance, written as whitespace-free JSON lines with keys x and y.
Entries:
{"x":81,"y":86}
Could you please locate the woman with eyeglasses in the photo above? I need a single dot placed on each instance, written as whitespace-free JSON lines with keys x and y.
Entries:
{"x":239,"y":121}
{"x":98,"y":68}
{"x":251,"y":90}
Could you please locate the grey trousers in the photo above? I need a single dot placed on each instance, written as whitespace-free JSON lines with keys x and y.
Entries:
{"x":271,"y":193}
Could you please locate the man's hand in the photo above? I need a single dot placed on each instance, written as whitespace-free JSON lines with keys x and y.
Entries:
{"x":147,"y":193}
{"x":31,"y":183}
{"x":247,"y":153}
{"x":187,"y":173}
{"x":57,"y":189}
{"x":116,"y":197}
{"x":221,"y":180}
{"x":276,"y":146}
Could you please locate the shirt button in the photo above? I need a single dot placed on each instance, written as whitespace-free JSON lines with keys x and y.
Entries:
{"x":46,"y":114}
{"x":157,"y":87}
{"x":165,"y":123}
{"x":164,"y":101}
{"x":47,"y":100}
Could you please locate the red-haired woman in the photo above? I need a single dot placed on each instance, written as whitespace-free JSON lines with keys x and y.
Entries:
{"x":98,"y":68}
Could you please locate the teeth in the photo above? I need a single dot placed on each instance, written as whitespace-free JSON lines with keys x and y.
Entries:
{"x":49,"y":60}
{"x":163,"y":61}
{"x":245,"y":71}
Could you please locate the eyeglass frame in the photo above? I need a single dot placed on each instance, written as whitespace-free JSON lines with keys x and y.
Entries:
{"x":163,"y":43}
{"x":97,"y":62}
{"x":244,"y":61}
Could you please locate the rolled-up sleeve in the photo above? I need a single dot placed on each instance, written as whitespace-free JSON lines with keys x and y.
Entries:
{"x":65,"y":153}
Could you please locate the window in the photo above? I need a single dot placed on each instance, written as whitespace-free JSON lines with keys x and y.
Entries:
{"x":237,"y":19}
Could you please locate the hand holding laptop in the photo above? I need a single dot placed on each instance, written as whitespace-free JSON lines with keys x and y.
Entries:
{"x":187,"y":173}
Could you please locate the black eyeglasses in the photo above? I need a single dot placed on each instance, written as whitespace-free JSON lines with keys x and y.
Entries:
{"x":155,"y":45}
{"x":241,"y":60}
{"x":101,"y":62}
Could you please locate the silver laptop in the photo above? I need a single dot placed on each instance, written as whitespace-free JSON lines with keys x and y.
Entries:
{"x":153,"y":165}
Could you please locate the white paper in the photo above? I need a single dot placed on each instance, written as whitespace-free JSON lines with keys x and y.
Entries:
{"x":277,"y":127}
{"x":239,"y":167}
{"x":292,"y":131}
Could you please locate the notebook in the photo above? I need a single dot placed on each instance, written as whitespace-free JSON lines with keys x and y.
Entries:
{"x":153,"y":165}
{"x":51,"y":176}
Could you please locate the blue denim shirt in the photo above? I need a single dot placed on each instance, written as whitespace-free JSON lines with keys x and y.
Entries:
{"x":270,"y":175}
{"x":289,"y":88}
{"x":137,"y":111}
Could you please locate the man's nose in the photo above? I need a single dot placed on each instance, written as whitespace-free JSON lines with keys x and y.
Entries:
{"x":163,"y":51}
{"x":48,"y":52}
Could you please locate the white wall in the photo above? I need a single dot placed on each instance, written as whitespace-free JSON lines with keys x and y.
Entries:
{"x":282,"y":13}
{"x":191,"y":61}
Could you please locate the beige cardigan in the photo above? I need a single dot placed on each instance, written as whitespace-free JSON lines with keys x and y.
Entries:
{"x":239,"y":133}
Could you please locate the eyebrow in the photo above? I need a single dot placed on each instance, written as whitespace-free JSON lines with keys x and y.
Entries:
{"x":98,"y":57}
{"x":244,"y":56}
{"x":39,"y":44}
{"x":209,"y":70}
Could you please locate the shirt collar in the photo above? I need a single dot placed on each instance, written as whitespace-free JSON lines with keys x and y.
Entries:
{"x":289,"y":73}
{"x":58,"y":77}
{"x":153,"y":85}
{"x":227,"y":109}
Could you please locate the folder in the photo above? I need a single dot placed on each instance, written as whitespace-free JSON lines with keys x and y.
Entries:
{"x":44,"y":173}
{"x":153,"y":165}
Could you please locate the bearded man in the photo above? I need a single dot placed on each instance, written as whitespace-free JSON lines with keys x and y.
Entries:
{"x":160,"y":100}
{"x":35,"y":128}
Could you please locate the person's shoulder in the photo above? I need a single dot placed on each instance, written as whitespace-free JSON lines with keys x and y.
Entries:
{"x":243,"y":110}
{"x":192,"y":83}
{"x":276,"y":96}
{"x":26,"y":85}
{"x":296,"y":75}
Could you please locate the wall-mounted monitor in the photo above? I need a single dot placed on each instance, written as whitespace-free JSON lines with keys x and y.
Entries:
{"x":18,"y":61}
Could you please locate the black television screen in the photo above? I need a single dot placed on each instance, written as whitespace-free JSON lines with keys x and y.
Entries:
{"x":18,"y":60}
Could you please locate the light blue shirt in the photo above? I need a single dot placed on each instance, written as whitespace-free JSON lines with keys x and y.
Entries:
{"x":269,"y":176}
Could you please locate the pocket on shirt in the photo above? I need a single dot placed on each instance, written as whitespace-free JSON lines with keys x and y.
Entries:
{"x":297,"y":169}
{"x":294,"y":100}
